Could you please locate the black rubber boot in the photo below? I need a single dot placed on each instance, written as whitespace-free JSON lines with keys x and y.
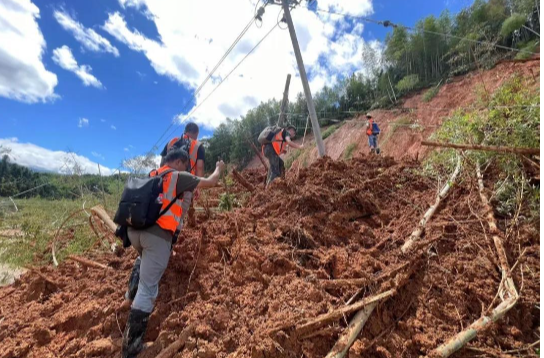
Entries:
{"x":133,"y":337}
{"x":133,"y":280}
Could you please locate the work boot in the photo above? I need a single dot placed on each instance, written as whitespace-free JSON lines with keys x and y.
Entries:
{"x":134,"y":333}
{"x":378,"y":151}
{"x":133,"y":280}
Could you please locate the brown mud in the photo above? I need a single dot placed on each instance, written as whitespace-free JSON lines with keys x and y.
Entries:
{"x":239,"y":275}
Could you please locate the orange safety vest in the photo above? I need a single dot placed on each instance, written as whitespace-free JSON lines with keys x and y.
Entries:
{"x":279,"y":144}
{"x":170,"y":220}
{"x":193,"y":150}
{"x":369,"y":129}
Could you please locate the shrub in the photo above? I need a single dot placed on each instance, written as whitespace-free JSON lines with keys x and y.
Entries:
{"x":327,"y":133}
{"x":349,"y":150}
{"x":430,"y":94}
{"x":407,"y":83}
{"x":511,"y":24}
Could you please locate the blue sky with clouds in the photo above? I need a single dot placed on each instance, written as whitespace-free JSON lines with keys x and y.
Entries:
{"x":105,"y":78}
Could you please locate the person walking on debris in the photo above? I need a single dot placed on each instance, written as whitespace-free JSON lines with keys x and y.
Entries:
{"x":189,"y":142}
{"x":154,"y":244}
{"x":372,"y":131}
{"x":274,"y":141}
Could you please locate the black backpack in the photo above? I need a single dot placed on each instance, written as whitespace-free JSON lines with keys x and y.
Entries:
{"x":140,"y":205}
{"x":267,"y":135}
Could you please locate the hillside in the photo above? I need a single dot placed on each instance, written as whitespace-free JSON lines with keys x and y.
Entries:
{"x":414,"y":120}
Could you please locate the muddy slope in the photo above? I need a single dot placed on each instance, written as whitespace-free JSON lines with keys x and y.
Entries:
{"x":271,"y":264}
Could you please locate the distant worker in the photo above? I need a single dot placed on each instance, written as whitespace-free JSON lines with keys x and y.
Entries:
{"x":274,"y":142}
{"x":155,"y":243}
{"x":189,"y":142}
{"x":372,"y":131}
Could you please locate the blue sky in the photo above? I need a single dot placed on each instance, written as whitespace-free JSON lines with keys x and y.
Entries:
{"x":109,"y":90}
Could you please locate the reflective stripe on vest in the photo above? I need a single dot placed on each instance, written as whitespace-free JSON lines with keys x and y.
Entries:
{"x":369,"y":129}
{"x":279,"y":144}
{"x":193,"y":153}
{"x":170,"y":220}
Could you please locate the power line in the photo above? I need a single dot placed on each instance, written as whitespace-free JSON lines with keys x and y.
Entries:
{"x":210,"y":74}
{"x":388,"y":23}
{"x":225,"y":78}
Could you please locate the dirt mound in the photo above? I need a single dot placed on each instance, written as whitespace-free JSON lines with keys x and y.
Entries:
{"x":246,"y":277}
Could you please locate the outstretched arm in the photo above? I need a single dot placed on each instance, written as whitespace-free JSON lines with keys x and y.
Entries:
{"x":293,"y":144}
{"x":213,"y":179}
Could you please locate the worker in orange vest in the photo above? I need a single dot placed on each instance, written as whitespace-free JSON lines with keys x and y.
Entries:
{"x":155,"y":243}
{"x":197,"y":155}
{"x":372,"y":131}
{"x":278,"y":146}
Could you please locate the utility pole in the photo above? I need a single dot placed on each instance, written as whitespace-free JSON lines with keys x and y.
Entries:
{"x":284,"y":102}
{"x":311,"y":107}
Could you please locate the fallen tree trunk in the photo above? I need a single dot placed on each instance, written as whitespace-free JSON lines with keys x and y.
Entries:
{"x":259,"y":154}
{"x":351,"y":332}
{"x":527,"y":151}
{"x":416,"y":234}
{"x":240,"y":179}
{"x":506,"y":286}
{"x":103,"y":215}
{"x":179,"y":343}
{"x":302,"y":329}
{"x":88,"y":263}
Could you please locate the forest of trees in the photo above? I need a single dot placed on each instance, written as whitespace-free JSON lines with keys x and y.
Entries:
{"x":436,"y":49}
{"x":22,"y":182}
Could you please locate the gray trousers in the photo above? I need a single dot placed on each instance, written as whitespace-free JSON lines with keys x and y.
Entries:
{"x":155,"y":253}
{"x":276,"y":167}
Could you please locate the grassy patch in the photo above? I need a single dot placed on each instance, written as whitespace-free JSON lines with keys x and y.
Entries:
{"x":26,"y":236}
{"x":291,"y":159}
{"x":527,"y":49}
{"x":348,"y":153}
{"x":327,"y":133}
{"x":430,"y":94}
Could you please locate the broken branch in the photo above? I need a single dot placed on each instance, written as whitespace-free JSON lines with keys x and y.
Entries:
{"x":416,"y":234}
{"x":179,"y":343}
{"x":240,"y":179}
{"x":88,"y":263}
{"x":528,"y":151}
{"x":339,"y":313}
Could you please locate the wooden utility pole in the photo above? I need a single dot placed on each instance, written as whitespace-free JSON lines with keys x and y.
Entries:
{"x":284,"y":102}
{"x":304,"y":78}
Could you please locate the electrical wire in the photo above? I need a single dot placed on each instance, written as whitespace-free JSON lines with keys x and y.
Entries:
{"x":388,"y":23}
{"x":197,"y":91}
{"x":226,"y":77}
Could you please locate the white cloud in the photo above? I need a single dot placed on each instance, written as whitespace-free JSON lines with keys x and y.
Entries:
{"x":83,"y":122}
{"x":64,"y":58}
{"x":327,"y":52}
{"x":98,"y":155}
{"x":103,"y":120}
{"x":23,"y":76}
{"x":126,"y":149}
{"x":113,"y":127}
{"x":39,"y":158}
{"x":90,"y":40}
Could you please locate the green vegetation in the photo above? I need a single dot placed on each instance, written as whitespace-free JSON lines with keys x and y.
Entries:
{"x":527,"y":49}
{"x":291,"y":159}
{"x":407,"y":83}
{"x":430,"y":94}
{"x":512,"y":120}
{"x":26,"y":236}
{"x":227,"y":202}
{"x":348,"y":153}
{"x":410,"y":60}
{"x":329,"y":131}
{"x":512,"y":24}
{"x":15,"y":179}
